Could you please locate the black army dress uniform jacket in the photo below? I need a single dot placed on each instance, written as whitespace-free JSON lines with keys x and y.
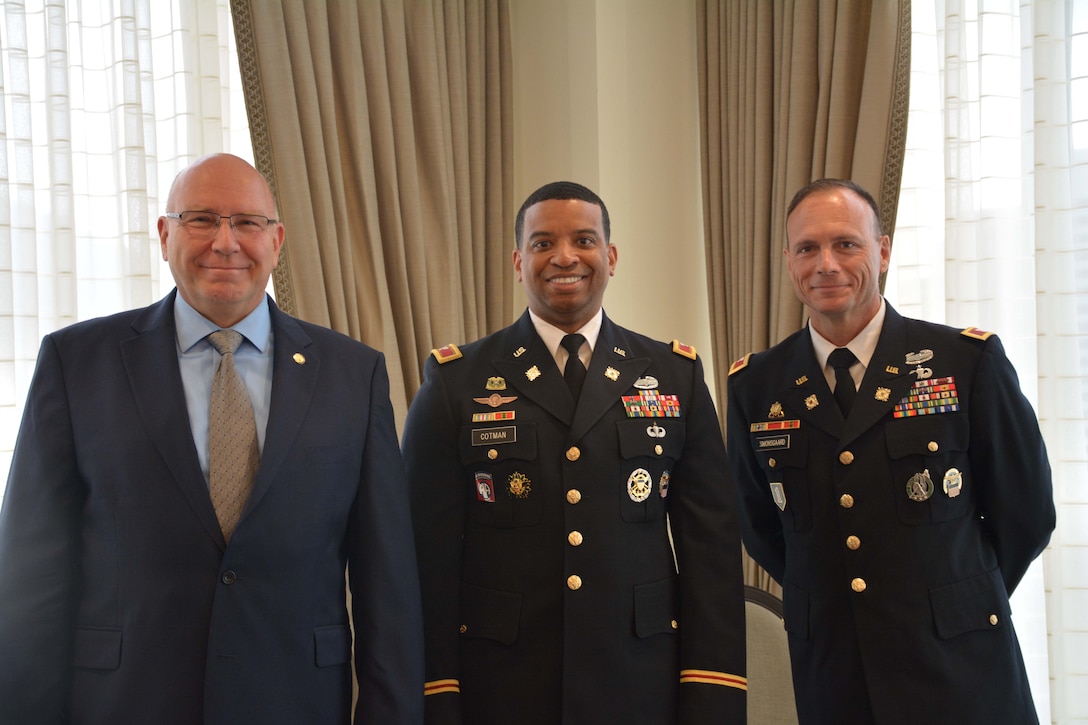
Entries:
{"x":550,"y":589}
{"x":898,"y":533}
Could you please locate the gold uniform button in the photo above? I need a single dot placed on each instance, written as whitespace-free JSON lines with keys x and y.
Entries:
{"x":858,"y":585}
{"x":658,"y":449}
{"x":574,"y":496}
{"x":574,"y":582}
{"x":853,"y":543}
{"x":574,"y":538}
{"x":464,"y":628}
{"x":846,"y":458}
{"x":674,"y":624}
{"x":573,"y":454}
{"x":492,"y":454}
{"x":933,"y":446}
{"x":846,"y":501}
{"x":993,"y":619}
{"x":772,"y":462}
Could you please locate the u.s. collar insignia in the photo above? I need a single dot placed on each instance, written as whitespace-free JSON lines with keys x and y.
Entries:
{"x":811,"y":402}
{"x":619,"y":351}
{"x":496,"y":383}
{"x":882,"y":394}
{"x":891,"y":370}
{"x":532,"y":373}
{"x":801,"y":380}
{"x":519,"y":352}
{"x":612,"y":373}
{"x":776,"y":410}
{"x":495,"y":400}
{"x":646,"y":382}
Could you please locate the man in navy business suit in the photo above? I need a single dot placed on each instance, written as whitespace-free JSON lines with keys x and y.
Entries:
{"x":898,"y":522}
{"x":121,"y":599}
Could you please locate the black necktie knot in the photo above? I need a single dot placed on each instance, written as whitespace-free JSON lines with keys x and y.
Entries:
{"x":574,"y":372}
{"x":841,"y":360}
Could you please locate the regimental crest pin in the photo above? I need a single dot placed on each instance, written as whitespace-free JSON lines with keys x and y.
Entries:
{"x":776,"y":411}
{"x":811,"y":402}
{"x":953,"y":482}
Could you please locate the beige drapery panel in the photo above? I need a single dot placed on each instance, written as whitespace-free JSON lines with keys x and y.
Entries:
{"x":385,"y":127}
{"x":789,"y":91}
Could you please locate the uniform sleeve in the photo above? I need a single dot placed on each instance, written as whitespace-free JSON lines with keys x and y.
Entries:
{"x":1009,"y":463}
{"x":39,"y":553}
{"x":386,"y":606}
{"x":761,"y":525}
{"x":703,"y":518}
{"x":438,"y":516}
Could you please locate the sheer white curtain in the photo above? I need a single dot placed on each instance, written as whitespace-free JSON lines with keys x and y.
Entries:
{"x":993,"y":231}
{"x":102,"y":104}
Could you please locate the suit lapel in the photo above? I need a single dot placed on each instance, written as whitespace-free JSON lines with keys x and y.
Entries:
{"x":295,"y":367}
{"x":151,"y":363}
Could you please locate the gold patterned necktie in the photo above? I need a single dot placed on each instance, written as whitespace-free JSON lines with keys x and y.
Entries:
{"x":233,"y":455}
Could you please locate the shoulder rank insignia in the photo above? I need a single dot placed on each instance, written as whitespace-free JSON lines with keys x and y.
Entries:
{"x":445,"y":354}
{"x":680,"y":348}
{"x":976,"y":333}
{"x":739,"y":365}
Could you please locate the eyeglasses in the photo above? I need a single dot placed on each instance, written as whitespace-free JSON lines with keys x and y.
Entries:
{"x":206,"y":223}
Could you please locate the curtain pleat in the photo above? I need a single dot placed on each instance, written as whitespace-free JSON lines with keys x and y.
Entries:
{"x":789,"y":91}
{"x":386,"y":129}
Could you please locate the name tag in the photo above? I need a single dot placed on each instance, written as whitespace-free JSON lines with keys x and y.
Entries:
{"x":773,"y":443}
{"x":494,"y":436}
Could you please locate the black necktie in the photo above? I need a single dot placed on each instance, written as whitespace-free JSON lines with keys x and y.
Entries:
{"x":575,"y":372}
{"x":841,"y":359}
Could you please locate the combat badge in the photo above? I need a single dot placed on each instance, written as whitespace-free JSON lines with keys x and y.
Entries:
{"x":484,"y":490}
{"x":519,"y":485}
{"x":778,"y":493}
{"x":663,"y":485}
{"x":953,"y":482}
{"x":920,"y":486}
{"x":646,"y":382}
{"x":639,"y":485}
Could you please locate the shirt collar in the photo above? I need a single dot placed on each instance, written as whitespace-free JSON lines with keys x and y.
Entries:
{"x":192,"y":327}
{"x":863,"y":345}
{"x":553,"y":336}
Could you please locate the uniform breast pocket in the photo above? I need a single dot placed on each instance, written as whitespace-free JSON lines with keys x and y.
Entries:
{"x":649,"y":450}
{"x":783,"y":456}
{"x":503,"y":475}
{"x":931,"y":477}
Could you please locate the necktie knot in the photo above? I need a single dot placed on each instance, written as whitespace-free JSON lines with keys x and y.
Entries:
{"x":225,"y":341}
{"x":841,"y":359}
{"x":574,"y":372}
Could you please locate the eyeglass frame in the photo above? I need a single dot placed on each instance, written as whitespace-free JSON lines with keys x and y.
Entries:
{"x":176,"y":216}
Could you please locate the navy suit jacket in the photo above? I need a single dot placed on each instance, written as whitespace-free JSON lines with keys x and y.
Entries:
{"x":551,"y":591}
{"x":120,"y":601}
{"x":895,"y":585}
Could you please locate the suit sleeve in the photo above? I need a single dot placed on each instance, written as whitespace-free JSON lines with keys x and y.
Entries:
{"x":39,"y":553}
{"x":438,"y":512}
{"x":384,"y":584}
{"x":703,"y":518}
{"x":1009,"y":462}
{"x":761,"y":525}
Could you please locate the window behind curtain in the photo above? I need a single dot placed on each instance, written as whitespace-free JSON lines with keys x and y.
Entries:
{"x":102,"y":104}
{"x":992,"y":230}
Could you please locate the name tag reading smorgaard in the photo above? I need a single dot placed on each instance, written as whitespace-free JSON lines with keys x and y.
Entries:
{"x":494,"y":436}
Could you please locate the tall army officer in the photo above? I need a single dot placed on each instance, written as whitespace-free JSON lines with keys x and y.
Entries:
{"x":899,"y":528}
{"x":551,"y":592}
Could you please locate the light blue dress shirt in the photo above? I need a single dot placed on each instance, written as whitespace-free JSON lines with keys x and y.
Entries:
{"x":198,"y":361}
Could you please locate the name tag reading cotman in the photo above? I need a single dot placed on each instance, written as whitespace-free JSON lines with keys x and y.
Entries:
{"x":493,"y":436}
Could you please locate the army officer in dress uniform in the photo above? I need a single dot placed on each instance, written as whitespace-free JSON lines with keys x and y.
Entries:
{"x":899,"y":511}
{"x":543,"y":483}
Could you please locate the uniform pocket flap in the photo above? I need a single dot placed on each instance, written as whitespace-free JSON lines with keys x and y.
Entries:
{"x":925,"y":435}
{"x":969,"y":605}
{"x":656,"y":608}
{"x":641,"y":437}
{"x":332,"y":645}
{"x":490,"y":613}
{"x":96,"y":648}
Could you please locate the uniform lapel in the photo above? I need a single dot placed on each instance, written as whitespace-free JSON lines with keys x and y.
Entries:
{"x":528,"y":367}
{"x":887,"y":378}
{"x":151,"y":363}
{"x":611,"y":372}
{"x":806,"y":390}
